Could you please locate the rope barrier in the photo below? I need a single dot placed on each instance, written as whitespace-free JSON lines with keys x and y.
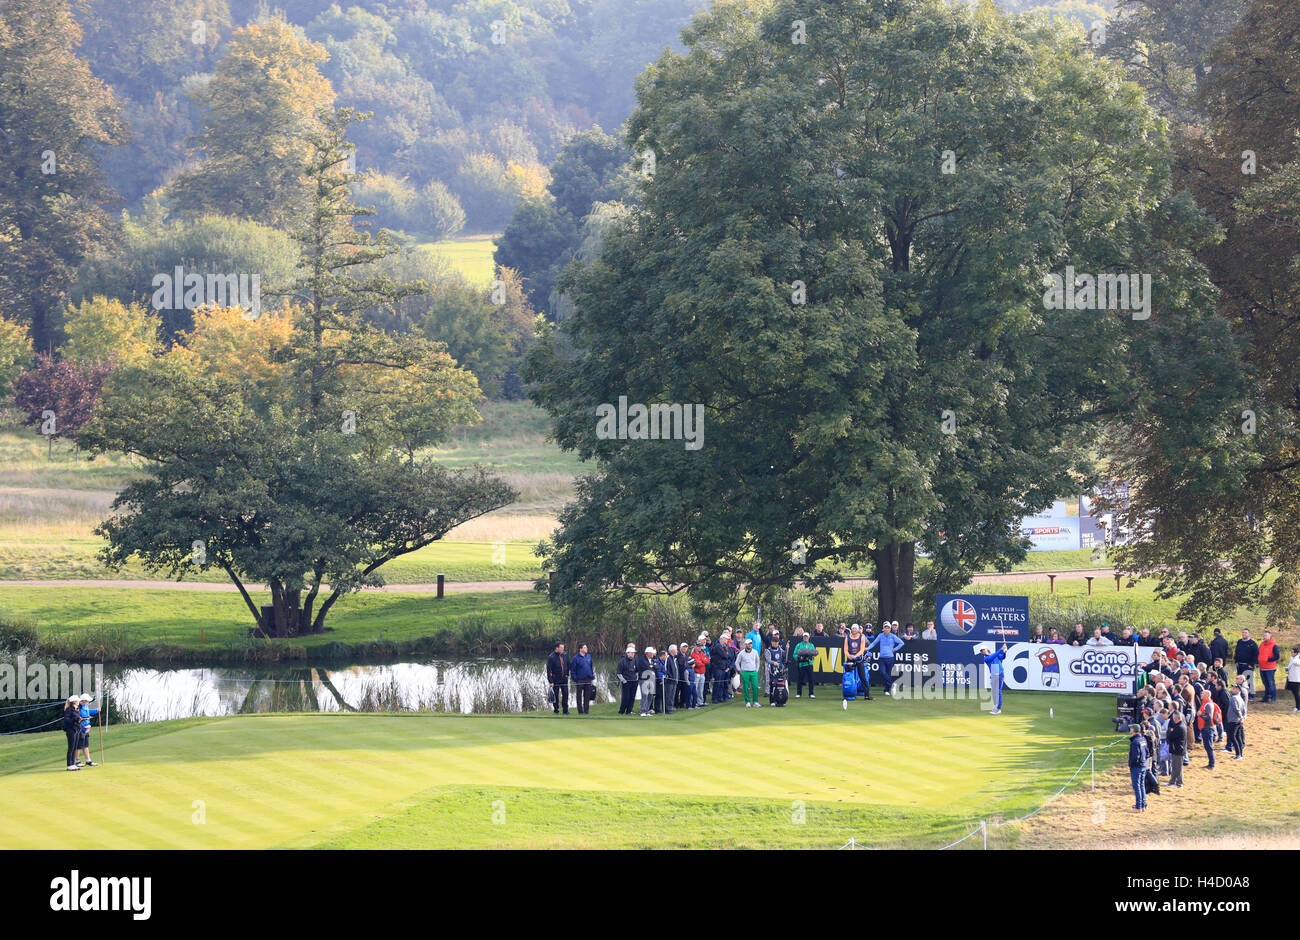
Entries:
{"x":983,"y":826}
{"x":37,"y":728}
{"x":21,"y":709}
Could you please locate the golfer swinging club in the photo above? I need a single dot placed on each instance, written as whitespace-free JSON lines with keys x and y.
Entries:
{"x":996,"y":677}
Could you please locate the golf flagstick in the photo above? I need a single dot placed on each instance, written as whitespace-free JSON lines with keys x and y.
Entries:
{"x":103,"y":717}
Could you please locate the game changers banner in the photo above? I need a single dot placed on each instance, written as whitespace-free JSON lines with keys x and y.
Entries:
{"x":1057,"y":668}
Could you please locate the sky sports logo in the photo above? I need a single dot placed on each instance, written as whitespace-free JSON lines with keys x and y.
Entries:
{"x":106,"y":893}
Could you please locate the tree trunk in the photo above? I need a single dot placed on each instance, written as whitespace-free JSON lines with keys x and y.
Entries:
{"x":286,"y":609}
{"x":895,"y":580}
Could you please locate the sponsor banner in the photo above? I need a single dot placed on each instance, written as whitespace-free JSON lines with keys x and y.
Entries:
{"x":1057,"y":668}
{"x":992,"y":617}
{"x":1047,"y":535}
{"x":828,"y":665}
{"x":966,"y":620}
{"x":1055,"y":528}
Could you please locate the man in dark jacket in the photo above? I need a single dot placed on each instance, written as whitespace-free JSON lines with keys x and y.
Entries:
{"x":720,"y":663}
{"x":1176,"y":738}
{"x":627,"y":680}
{"x":685,"y":671}
{"x":1200,"y":652}
{"x":667,"y":673}
{"x":1219,"y":646}
{"x":1246,"y":656}
{"x":1139,"y":754}
{"x":557,"y":674}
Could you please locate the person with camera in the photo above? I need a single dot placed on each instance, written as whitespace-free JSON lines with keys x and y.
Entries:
{"x":803,"y":655}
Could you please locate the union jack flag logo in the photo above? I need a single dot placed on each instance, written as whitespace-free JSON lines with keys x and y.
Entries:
{"x":958,"y":617}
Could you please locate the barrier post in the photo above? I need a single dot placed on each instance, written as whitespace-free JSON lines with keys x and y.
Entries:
{"x":1051,"y":584}
{"x":1089,"y":579}
{"x":442,"y":579}
{"x":985,"y":827}
{"x":1092,"y":759}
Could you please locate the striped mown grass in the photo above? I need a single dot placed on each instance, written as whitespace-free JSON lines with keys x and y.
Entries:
{"x":885,"y":772}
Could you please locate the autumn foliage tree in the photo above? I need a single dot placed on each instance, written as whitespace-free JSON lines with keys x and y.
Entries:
{"x":58,"y":396}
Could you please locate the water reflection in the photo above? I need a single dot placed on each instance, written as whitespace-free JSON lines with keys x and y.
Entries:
{"x":466,"y":687}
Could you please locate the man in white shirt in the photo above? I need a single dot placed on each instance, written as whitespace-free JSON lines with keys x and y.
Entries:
{"x":929,"y":633}
{"x":1097,"y":639}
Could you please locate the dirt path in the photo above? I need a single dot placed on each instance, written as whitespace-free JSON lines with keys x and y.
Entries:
{"x":1103,"y":575}
{"x":1255,"y":801}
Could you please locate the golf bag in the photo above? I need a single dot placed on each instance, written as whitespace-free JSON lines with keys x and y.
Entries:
{"x":850,"y":683}
{"x":778,"y":687}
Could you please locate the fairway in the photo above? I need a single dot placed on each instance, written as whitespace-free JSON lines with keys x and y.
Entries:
{"x":916,"y":773}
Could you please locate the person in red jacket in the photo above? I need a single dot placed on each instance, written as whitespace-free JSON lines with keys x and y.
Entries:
{"x":1269,"y":654}
{"x":1208,"y":717}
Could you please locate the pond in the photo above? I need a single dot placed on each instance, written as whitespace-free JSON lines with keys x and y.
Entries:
{"x":477,"y":686}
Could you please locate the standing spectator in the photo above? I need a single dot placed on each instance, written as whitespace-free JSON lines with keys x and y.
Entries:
{"x":755,"y":635}
{"x":1160,"y":724}
{"x":1037,"y":635}
{"x":1293,"y":676}
{"x":1176,"y":738}
{"x":1219,"y":646}
{"x":804,"y":654}
{"x":686,"y":676}
{"x":700,"y":665}
{"x":1200,"y":652}
{"x":645,"y":670}
{"x":1235,"y":722}
{"x":747,"y":662}
{"x":1188,"y":700}
{"x":1054,"y":637}
{"x":1218,"y":695}
{"x":583,"y":674}
{"x":819,"y":630}
{"x":1138,"y":755}
{"x":557,"y":674}
{"x":719,"y":658}
{"x":773,"y":657}
{"x":1078,"y":637}
{"x":909,"y":632}
{"x":667,"y":677}
{"x":929,"y":632}
{"x":1219,"y":671}
{"x":1126,"y":638}
{"x":1106,"y":632}
{"x":888,"y":645}
{"x":1208,"y":717}
{"x":1246,"y":656}
{"x":1269,"y":655}
{"x":1146,"y":639}
{"x":72,"y":728}
{"x":628,"y":677}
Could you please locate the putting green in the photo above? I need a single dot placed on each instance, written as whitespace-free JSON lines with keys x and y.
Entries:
{"x":882,"y":771}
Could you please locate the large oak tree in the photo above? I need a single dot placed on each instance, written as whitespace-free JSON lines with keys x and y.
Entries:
{"x":803,"y":267}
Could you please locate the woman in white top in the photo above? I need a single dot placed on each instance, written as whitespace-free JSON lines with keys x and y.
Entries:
{"x":1293,"y":676}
